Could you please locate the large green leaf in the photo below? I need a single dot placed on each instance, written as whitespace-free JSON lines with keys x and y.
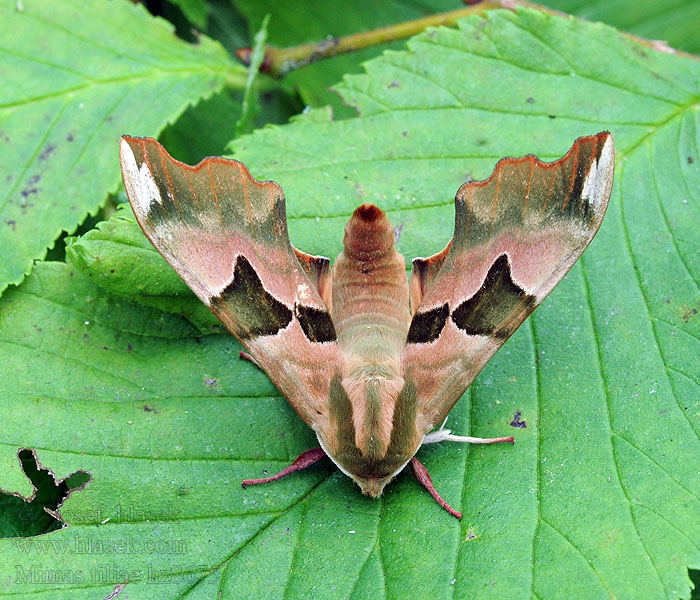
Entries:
{"x":74,"y":80}
{"x":598,"y":498}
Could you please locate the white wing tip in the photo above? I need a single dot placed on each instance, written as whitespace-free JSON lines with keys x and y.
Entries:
{"x":140,"y":185}
{"x":124,"y":149}
{"x":596,"y":186}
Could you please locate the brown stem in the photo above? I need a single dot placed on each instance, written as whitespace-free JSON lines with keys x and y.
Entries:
{"x":421,"y":474}
{"x":280,"y":61}
{"x":304,"y":460}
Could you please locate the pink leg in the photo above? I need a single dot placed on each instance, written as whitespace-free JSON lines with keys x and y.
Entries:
{"x":246,"y":356}
{"x":304,"y":460}
{"x":421,"y":474}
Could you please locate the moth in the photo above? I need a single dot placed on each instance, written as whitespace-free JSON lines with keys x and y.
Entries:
{"x":371,"y":362}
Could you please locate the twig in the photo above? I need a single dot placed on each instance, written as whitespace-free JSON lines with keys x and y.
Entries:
{"x":280,"y":61}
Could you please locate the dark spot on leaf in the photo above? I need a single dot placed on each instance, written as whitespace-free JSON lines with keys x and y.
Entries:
{"x":470,"y":535}
{"x":105,"y":347}
{"x":427,"y":326}
{"x":404,"y":133}
{"x":211,"y":382}
{"x":637,"y":49}
{"x":552,"y":116}
{"x":498,"y":307}
{"x":70,"y":137}
{"x":26,"y":192}
{"x":34,"y":179}
{"x":315,"y":323}
{"x":48,"y":151}
{"x":198,"y":340}
{"x":688,"y":313}
{"x":12,"y":223}
{"x":129,"y":348}
{"x":148,"y":408}
{"x":530,"y":100}
{"x":517,"y":421}
{"x":690,"y":160}
{"x":393,"y":84}
{"x":111,"y":270}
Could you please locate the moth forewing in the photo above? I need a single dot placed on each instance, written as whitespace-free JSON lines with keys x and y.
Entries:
{"x":517,"y":234}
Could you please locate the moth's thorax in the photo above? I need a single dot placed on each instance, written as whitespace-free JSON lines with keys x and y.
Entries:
{"x":370,"y":470}
{"x":371,"y":316}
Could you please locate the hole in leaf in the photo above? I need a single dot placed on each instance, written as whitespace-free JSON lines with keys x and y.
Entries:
{"x":695,"y":578}
{"x":26,"y":517}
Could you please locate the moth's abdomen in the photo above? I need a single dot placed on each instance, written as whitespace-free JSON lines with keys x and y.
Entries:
{"x":370,"y":311}
{"x":370,"y":289}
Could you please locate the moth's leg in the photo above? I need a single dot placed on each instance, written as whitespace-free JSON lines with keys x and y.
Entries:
{"x":445,"y":435}
{"x":246,"y":356}
{"x":421,"y":474}
{"x":304,"y":460}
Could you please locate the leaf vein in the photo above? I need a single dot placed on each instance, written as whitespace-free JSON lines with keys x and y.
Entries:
{"x":611,"y":431}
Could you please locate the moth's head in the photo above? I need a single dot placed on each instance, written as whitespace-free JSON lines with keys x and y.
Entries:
{"x":372,"y":486}
{"x":371,"y":475}
{"x":371,"y":457}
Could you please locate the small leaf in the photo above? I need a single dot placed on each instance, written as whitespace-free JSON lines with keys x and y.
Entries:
{"x":251,"y":104}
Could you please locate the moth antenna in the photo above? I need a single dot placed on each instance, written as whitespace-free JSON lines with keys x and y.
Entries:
{"x":476,"y":440}
{"x":445,"y":435}
{"x":304,"y":460}
{"x":421,"y":474}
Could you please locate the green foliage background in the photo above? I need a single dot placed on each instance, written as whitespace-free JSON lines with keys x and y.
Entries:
{"x":121,"y":382}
